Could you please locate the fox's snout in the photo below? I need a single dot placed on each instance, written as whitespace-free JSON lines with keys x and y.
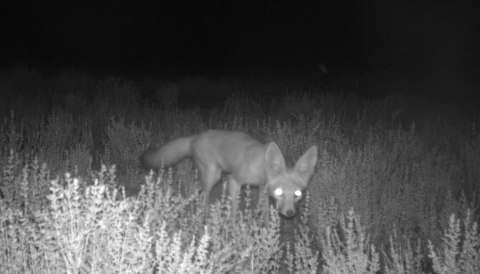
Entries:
{"x":290,"y":213}
{"x":286,"y":210}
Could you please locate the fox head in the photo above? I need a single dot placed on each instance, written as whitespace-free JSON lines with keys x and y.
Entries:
{"x":286,"y":185}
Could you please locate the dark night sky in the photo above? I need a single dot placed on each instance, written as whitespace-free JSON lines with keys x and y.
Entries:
{"x":430,"y":37}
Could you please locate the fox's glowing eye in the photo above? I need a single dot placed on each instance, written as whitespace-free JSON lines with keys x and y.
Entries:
{"x":278,"y":192}
{"x":298,"y":193}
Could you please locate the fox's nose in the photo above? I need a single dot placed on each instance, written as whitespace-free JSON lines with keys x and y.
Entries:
{"x":290,"y":213}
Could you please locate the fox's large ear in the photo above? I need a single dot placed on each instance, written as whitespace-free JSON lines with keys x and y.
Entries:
{"x":274,"y":161}
{"x":306,"y":164}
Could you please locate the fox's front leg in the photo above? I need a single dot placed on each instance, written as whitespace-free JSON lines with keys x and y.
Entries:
{"x":263,"y":197}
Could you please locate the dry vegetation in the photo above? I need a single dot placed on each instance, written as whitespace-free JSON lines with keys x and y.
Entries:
{"x":395,"y":190}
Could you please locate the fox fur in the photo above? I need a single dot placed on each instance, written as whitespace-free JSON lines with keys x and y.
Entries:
{"x":244,"y":160}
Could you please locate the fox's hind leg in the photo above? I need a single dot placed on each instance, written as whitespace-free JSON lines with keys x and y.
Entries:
{"x":209,"y":176}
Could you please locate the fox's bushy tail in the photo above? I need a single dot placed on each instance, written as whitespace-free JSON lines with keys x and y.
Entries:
{"x":171,"y":153}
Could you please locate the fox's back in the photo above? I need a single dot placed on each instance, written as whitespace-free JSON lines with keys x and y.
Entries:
{"x":235,"y":153}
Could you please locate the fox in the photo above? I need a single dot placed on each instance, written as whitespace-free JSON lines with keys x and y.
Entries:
{"x":243,"y":160}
